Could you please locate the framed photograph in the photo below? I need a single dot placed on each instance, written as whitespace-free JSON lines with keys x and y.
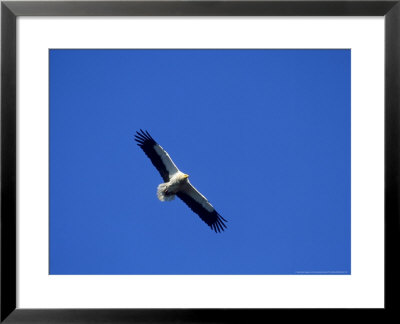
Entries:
{"x":198,"y":161}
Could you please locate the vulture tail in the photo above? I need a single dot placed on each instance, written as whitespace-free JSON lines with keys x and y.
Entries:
{"x":163,"y":194}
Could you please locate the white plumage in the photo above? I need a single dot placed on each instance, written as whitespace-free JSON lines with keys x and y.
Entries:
{"x":166,"y":191}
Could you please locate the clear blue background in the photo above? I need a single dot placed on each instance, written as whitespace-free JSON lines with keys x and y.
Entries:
{"x":263,"y":134}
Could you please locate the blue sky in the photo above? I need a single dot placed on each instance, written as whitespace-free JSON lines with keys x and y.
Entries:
{"x":263,"y":134}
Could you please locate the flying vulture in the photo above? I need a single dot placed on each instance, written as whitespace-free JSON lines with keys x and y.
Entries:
{"x":176,"y":183}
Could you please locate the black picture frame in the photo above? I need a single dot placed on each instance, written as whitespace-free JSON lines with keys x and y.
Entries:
{"x":10,"y":10}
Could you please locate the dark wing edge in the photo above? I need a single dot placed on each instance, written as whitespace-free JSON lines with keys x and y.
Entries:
{"x":147,"y":143}
{"x":212,"y":219}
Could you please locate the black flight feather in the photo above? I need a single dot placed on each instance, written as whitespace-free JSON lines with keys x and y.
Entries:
{"x":212,"y":219}
{"x":147,"y":144}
